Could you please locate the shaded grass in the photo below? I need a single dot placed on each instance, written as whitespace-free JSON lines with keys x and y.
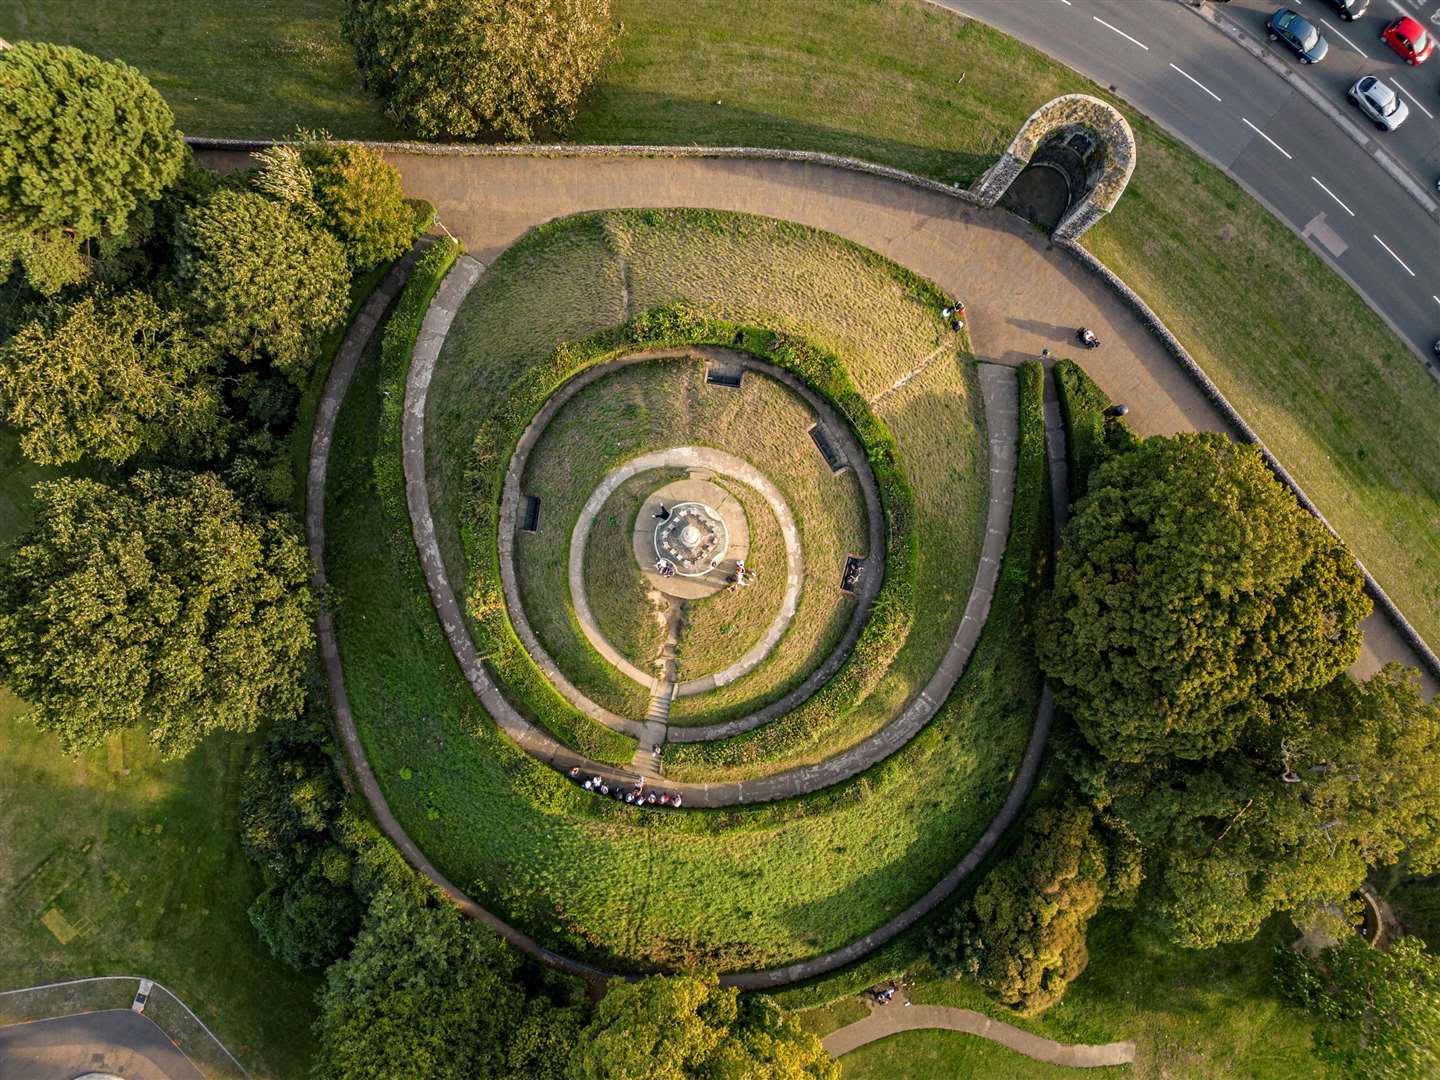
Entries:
{"x":718,"y":889}
{"x":651,"y":406}
{"x":143,"y":858}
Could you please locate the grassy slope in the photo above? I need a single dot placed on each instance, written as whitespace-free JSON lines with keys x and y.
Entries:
{"x":787,"y":277}
{"x":1340,"y":400}
{"x":651,"y":407}
{"x":749,"y":886}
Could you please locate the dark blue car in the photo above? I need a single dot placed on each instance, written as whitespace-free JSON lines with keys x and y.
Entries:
{"x":1289,"y":27}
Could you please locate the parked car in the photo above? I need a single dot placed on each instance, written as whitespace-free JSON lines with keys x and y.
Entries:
{"x":1350,"y":10}
{"x":1379,"y":101}
{"x":1409,"y":40}
{"x":1290,"y":27}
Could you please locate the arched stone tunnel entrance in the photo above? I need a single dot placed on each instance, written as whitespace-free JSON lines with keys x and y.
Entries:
{"x":1066,"y":168}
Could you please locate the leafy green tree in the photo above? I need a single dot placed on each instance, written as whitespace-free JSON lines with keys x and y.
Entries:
{"x":472,"y":68}
{"x":289,"y":823}
{"x":108,"y":376}
{"x":1191,"y":592}
{"x":361,"y":202}
{"x":675,"y":1028}
{"x":423,"y":993}
{"x":155,"y":603}
{"x":1023,"y":938}
{"x":83,"y":141}
{"x":1335,"y":782}
{"x":268,"y":286}
{"x":1378,"y":1012}
{"x":49,"y":260}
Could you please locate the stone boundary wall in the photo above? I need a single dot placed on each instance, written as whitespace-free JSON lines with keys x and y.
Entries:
{"x":1211,"y":391}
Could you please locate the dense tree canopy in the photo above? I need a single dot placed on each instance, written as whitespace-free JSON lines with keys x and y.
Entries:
{"x":432,"y":990}
{"x":107,"y":376}
{"x":677,"y":1028}
{"x":156,"y":604}
{"x":471,"y":68}
{"x":268,"y":286}
{"x":1023,"y":938}
{"x":1334,"y":782}
{"x":1378,"y":1012}
{"x":1190,"y":592}
{"x":83,"y":141}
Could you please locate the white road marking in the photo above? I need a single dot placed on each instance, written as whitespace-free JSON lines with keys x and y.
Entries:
{"x":1416,"y":101}
{"x":1334,"y":196}
{"x":1198,"y":83}
{"x":1393,"y":255}
{"x":1400,"y":8}
{"x":1067,"y":3}
{"x":1267,"y":138}
{"x":1345,"y":39}
{"x":1122,"y":33}
{"x":1435,"y":298}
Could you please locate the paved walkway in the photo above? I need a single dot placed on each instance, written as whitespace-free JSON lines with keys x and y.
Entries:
{"x":333,"y":395}
{"x":116,"y":1041}
{"x":894,"y":1018}
{"x":1023,"y":294}
{"x":999,"y":392}
{"x":722,"y":464}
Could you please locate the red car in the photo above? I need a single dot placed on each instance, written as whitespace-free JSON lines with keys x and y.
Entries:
{"x":1409,"y":40}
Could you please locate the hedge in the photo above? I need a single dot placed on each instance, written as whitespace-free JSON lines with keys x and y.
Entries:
{"x":672,"y":326}
{"x":503,"y":649}
{"x":1090,"y":438}
{"x":1032,"y":482}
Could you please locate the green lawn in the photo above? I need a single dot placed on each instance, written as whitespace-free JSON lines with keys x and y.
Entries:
{"x":1201,"y":1015}
{"x":724,"y":889}
{"x":652,"y":406}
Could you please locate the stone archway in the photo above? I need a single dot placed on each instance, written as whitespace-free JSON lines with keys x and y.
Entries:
{"x":1078,"y":138}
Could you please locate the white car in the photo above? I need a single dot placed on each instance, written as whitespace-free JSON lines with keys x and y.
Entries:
{"x":1379,"y":101}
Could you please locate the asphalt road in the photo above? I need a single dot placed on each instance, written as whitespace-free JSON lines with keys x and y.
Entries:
{"x":1186,"y":74}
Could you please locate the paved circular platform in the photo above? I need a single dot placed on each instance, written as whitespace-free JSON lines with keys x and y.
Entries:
{"x":704,"y":564}
{"x":112,"y":1041}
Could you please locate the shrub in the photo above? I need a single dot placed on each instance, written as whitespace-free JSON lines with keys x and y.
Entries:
{"x":1090,"y":438}
{"x":361,"y":202}
{"x":83,"y":141}
{"x":108,"y":376}
{"x":472,"y":68}
{"x":266,"y":285}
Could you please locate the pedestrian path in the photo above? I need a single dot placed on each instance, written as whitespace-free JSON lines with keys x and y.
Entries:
{"x":894,"y":1018}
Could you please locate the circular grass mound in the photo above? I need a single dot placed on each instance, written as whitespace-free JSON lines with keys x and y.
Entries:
{"x":736,"y":888}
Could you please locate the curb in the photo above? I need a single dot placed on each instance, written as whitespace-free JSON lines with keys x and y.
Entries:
{"x":1242,"y":37}
{"x":1211,"y":391}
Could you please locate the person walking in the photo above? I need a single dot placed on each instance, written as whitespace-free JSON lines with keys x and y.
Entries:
{"x":662,"y":514}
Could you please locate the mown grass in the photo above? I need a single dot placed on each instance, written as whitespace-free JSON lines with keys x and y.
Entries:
{"x":722,"y":889}
{"x":651,"y":406}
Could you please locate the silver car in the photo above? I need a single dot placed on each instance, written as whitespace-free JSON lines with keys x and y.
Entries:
{"x":1379,"y":101}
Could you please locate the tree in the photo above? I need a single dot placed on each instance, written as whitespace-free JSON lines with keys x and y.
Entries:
{"x":83,"y":141}
{"x":1378,"y":1013}
{"x":1335,"y":782}
{"x":423,"y":992}
{"x":289,"y":823}
{"x":1023,"y":938}
{"x":268,"y":286}
{"x":108,"y":376}
{"x":1191,"y":592}
{"x":472,"y":68}
{"x":361,"y":202}
{"x":155,"y":603}
{"x":675,"y":1028}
